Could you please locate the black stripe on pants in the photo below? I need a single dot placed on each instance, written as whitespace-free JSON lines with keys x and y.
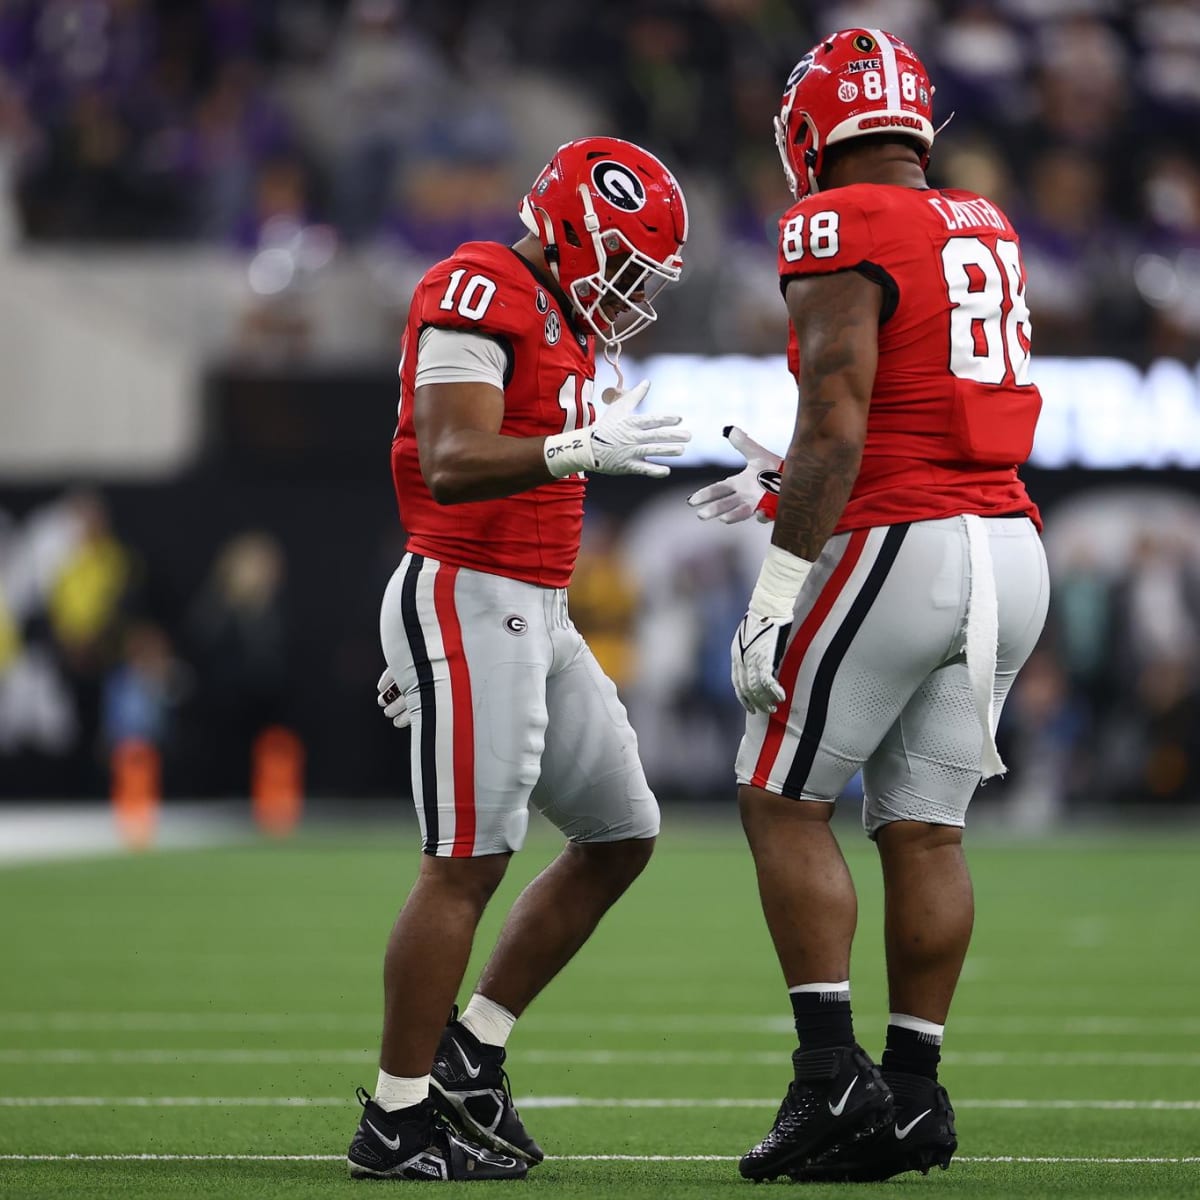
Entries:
{"x":428,"y":747}
{"x":831,"y":660}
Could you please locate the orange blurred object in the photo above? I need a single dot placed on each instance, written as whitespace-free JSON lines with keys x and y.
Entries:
{"x":277,"y":780}
{"x":136,"y":791}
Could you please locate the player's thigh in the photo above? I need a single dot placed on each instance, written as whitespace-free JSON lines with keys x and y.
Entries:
{"x":928,"y":766}
{"x":877,"y":612}
{"x":592,"y":785}
{"x":471,"y":653}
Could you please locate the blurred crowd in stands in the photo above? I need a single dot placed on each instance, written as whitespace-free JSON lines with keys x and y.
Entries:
{"x":95,"y":651}
{"x":395,"y":129}
{"x":87,"y":662}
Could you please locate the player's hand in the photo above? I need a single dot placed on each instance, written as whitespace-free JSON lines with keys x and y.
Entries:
{"x":752,"y":492}
{"x":391,"y":700}
{"x":620,"y":441}
{"x":755,"y":653}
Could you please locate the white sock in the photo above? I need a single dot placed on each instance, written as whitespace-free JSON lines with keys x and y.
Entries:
{"x":399,"y":1091}
{"x":490,"y":1022}
{"x":928,"y":1031}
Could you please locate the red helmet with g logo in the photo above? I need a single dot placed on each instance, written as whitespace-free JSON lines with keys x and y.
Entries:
{"x":602,"y":198}
{"x":856,"y":83}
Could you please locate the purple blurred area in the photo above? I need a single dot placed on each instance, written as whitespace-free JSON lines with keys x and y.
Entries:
{"x":401,"y":123}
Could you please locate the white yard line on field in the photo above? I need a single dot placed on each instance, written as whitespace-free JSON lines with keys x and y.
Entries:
{"x":1068,"y":1025}
{"x":597,"y":1058}
{"x":553,"y":1102}
{"x":1133,"y":1160}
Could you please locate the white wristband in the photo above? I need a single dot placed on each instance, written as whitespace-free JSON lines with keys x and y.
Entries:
{"x":567,"y":453}
{"x":779,"y":583}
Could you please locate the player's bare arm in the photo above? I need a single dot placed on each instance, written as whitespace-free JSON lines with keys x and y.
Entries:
{"x":464,"y":456}
{"x":836,"y":318}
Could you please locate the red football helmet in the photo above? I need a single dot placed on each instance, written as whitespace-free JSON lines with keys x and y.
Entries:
{"x":856,"y":83}
{"x":601,"y":198}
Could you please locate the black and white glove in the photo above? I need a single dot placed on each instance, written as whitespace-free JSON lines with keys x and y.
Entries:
{"x":618,"y":442}
{"x":751,"y":492}
{"x":391,"y":700}
{"x":760,"y":639}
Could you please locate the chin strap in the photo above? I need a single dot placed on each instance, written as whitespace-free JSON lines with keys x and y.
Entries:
{"x":612,"y":356}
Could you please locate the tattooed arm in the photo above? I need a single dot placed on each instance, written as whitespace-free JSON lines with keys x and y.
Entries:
{"x":836,"y":318}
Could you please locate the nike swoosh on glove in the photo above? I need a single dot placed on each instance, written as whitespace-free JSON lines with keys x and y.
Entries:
{"x":754,"y":655}
{"x":750,"y":492}
{"x":391,"y":700}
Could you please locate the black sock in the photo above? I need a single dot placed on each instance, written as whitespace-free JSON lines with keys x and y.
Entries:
{"x":911,"y":1053}
{"x":823,"y":1018}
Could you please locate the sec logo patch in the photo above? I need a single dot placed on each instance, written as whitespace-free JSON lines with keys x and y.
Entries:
{"x":847,"y":91}
{"x":553,"y":329}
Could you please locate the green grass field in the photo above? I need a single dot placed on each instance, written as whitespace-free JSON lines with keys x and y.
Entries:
{"x":194,"y":1023}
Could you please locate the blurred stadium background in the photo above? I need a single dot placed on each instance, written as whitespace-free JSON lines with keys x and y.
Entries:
{"x":212,"y":213}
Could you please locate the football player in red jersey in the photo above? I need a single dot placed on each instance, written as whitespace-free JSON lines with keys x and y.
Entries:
{"x":497,"y":429}
{"x":904,"y":587}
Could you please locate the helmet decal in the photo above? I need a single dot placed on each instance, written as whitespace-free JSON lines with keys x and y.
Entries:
{"x":620,"y":186}
{"x":854,"y":83}
{"x":612,"y":222}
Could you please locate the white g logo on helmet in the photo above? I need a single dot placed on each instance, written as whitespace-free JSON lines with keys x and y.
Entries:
{"x":619,"y":185}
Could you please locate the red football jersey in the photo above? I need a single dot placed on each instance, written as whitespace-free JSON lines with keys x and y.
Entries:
{"x":489,"y":289}
{"x":952,"y":410}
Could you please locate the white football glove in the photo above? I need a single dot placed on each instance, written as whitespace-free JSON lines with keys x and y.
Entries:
{"x":391,"y":700}
{"x":754,"y":656}
{"x":618,"y":443}
{"x":752,"y":492}
{"x":759,"y":642}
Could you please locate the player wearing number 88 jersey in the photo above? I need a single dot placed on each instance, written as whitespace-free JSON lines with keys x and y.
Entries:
{"x":952,"y":408}
{"x":904,"y":588}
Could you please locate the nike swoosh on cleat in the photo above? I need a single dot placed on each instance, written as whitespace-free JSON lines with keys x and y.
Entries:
{"x":902,"y":1131}
{"x":390,"y":1143}
{"x":839,"y":1108}
{"x":472,"y":1071}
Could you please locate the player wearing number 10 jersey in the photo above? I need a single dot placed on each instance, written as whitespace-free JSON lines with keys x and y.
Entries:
{"x":508,"y":706}
{"x":904,"y":587}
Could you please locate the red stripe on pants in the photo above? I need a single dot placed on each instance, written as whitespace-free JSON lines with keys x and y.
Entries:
{"x":463,"y":713}
{"x":789,"y":669}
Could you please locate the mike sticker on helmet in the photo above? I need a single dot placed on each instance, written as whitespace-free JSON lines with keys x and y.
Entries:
{"x":619,"y":186}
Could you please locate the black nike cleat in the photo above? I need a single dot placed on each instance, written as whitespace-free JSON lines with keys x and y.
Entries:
{"x":471,"y":1090}
{"x":837,"y":1098}
{"x":415,"y":1143}
{"x":921,"y":1136}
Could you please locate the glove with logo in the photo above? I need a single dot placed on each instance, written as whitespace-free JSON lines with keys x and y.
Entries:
{"x":618,"y":442}
{"x":391,"y":700}
{"x":752,"y":492}
{"x":761,"y":637}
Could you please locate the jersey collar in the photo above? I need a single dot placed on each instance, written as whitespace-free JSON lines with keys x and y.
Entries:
{"x":551,"y":285}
